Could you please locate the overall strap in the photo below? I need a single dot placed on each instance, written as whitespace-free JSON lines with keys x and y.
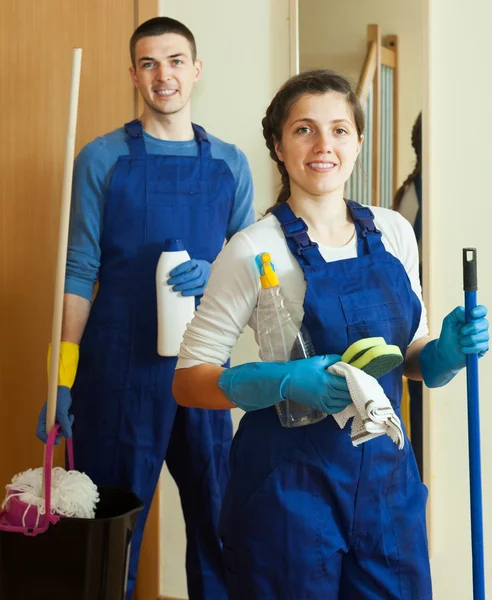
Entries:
{"x":368,"y":236}
{"x":204,"y":147}
{"x":136,"y":143}
{"x":295,"y":230}
{"x":135,"y":139}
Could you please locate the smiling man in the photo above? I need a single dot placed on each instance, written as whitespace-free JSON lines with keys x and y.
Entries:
{"x":156,"y":178}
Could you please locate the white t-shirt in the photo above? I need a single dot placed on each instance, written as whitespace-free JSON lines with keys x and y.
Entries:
{"x":230,"y":299}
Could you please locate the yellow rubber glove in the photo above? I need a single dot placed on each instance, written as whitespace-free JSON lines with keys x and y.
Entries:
{"x":69,"y":360}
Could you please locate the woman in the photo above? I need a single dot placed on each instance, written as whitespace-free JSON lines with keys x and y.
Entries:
{"x":307,"y":515}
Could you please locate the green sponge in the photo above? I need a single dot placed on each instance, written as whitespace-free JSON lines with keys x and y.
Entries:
{"x":373,"y":356}
{"x":357,"y":349}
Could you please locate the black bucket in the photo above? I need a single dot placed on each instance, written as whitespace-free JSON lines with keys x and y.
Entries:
{"x":76,"y":559}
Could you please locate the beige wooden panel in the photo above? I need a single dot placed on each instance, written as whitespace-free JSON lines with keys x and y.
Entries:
{"x":36,"y":41}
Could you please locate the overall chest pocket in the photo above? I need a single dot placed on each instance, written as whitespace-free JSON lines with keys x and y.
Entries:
{"x":374,"y":313}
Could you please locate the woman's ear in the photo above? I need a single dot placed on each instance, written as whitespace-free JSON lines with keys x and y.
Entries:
{"x":361,"y":140}
{"x":278,"y":149}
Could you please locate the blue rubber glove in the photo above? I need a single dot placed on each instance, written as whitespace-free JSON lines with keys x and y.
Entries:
{"x":254,"y":386}
{"x":63,"y":418}
{"x":442,"y":359}
{"x":190,"y":277}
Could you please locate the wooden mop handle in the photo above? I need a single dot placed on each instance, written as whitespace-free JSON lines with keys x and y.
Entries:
{"x":63,"y":240}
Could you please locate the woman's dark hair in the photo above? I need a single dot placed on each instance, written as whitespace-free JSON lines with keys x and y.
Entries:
{"x":160,"y":26}
{"x":318,"y":82}
{"x":417,"y":146}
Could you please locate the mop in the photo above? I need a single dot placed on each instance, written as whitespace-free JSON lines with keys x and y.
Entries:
{"x":38,"y":497}
{"x":470,"y":288}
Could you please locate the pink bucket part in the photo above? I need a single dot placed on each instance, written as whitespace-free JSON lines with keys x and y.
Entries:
{"x":24,"y":518}
{"x":21,"y":517}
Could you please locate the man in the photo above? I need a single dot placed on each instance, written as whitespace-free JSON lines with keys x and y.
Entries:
{"x":157,"y":178}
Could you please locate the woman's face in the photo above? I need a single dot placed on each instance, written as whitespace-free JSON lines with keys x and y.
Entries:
{"x":319,"y":144}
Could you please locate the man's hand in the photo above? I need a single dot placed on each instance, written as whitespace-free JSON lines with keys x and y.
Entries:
{"x":190,"y":277}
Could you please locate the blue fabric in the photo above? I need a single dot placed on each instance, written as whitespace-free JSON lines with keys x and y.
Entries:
{"x":126,"y":419}
{"x":93,"y":172}
{"x":306,"y":514}
{"x":253,"y":386}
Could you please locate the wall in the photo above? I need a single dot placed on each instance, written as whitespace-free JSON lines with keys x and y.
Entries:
{"x":332,"y":35}
{"x":457,"y":157}
{"x":36,"y":42}
{"x":245,"y":49}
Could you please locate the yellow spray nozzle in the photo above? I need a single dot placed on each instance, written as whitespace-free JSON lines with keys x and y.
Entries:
{"x":268,"y":277}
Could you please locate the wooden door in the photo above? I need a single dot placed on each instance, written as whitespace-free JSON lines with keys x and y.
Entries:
{"x":36,"y":41}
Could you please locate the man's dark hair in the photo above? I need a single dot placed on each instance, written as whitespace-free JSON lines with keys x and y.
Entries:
{"x":160,"y":26}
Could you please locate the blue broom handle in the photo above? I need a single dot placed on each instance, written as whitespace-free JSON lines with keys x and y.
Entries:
{"x":470,"y":288}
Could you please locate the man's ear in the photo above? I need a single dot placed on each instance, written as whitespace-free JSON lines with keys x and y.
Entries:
{"x":133,"y":76}
{"x":198,"y":69}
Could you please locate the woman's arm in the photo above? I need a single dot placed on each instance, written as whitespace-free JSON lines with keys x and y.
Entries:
{"x":437,"y":361}
{"x":225,"y":309}
{"x":254,"y":386}
{"x":198,"y":387}
{"x":412,"y":358}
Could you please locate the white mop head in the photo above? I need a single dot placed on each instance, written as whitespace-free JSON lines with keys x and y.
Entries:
{"x":73,"y":494}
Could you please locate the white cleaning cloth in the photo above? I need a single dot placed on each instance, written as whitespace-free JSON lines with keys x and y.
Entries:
{"x":73,"y":494}
{"x":371,"y":410}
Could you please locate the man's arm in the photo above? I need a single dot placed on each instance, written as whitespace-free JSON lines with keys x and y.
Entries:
{"x":88,"y":199}
{"x":243,"y":213}
{"x":75,"y":314}
{"x":90,"y":179}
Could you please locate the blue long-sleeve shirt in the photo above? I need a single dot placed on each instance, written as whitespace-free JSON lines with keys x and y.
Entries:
{"x":93,"y":169}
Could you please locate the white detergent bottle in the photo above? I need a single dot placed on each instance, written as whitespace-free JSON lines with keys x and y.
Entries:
{"x":174,"y":311}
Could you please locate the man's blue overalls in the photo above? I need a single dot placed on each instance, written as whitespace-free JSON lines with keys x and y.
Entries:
{"x":126,"y":419}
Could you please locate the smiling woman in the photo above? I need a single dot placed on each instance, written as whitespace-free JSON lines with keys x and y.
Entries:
{"x":329,"y":255}
{"x":326,"y":141}
{"x":319,"y":152}
{"x":315,"y":136}
{"x":343,"y":527}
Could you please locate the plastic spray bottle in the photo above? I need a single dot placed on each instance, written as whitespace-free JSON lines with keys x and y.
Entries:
{"x":281,"y":340}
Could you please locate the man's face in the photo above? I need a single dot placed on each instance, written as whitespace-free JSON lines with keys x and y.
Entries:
{"x":165,"y":72}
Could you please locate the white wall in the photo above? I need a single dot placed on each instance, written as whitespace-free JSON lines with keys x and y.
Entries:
{"x":457,"y":156}
{"x":333,"y":35}
{"x":245,"y":49}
